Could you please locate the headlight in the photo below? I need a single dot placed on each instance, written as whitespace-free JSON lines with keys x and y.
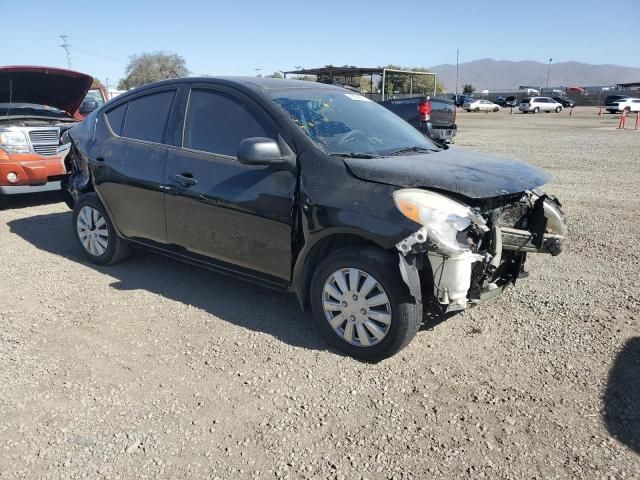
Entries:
{"x":14,"y":141}
{"x":443,"y":217}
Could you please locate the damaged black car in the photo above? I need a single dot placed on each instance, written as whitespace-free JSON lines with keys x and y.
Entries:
{"x":309,"y":188}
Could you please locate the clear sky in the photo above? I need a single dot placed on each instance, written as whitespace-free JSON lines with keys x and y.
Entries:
{"x":235,"y":37}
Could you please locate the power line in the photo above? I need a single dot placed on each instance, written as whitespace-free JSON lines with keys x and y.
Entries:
{"x":67,"y":48}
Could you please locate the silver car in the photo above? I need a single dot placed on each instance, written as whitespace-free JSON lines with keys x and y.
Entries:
{"x":539,"y":104}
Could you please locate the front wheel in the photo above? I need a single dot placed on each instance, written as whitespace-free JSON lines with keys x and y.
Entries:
{"x":95,"y":233}
{"x":558,"y":109}
{"x":362,"y":305}
{"x":477,"y":110}
{"x":496,"y":109}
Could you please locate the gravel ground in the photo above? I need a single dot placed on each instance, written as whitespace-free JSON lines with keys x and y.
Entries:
{"x":155,"y":369}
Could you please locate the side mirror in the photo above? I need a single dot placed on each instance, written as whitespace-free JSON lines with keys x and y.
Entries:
{"x":265,"y":151}
{"x":88,"y":107}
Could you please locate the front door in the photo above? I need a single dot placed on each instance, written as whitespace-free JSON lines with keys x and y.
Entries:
{"x":218,"y":207}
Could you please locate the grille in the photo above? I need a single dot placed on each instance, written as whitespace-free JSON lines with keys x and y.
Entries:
{"x":45,"y":149}
{"x":44,"y":141}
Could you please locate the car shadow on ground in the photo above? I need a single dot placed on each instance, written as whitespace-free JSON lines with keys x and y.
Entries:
{"x":241,"y":303}
{"x":12,"y":202}
{"x":622,"y":396}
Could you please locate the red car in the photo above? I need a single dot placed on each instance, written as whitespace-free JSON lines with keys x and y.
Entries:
{"x":37,"y":105}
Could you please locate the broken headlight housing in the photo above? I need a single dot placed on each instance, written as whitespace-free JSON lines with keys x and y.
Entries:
{"x":442,"y":217}
{"x":12,"y":141}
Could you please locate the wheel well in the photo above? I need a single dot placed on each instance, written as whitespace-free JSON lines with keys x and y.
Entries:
{"x":319,"y":252}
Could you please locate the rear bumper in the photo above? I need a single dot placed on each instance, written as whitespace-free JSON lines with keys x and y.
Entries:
{"x":444,"y":134}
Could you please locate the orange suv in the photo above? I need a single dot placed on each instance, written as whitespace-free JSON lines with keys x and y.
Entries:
{"x":37,"y":105}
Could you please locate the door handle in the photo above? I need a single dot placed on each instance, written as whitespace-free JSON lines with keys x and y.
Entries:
{"x":186,"y":180}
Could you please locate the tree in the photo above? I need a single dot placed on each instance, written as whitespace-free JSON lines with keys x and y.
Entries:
{"x":468,"y":89}
{"x":275,"y":75}
{"x":151,"y":67}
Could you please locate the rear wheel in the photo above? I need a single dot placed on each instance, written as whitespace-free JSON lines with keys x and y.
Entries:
{"x":627,"y":109}
{"x":477,"y":110}
{"x":95,"y":233}
{"x":361,"y":303}
{"x":536,"y":110}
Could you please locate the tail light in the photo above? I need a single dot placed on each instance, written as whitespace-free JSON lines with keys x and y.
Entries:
{"x":424,"y":110}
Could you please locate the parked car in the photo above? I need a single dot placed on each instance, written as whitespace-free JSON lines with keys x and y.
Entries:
{"x":435,"y":117}
{"x":539,"y":104}
{"x":311,"y":189}
{"x":508,"y":102}
{"x":481,"y":106}
{"x":566,"y":102}
{"x":611,"y":99}
{"x":628,"y":104}
{"x":37,"y":104}
{"x":95,"y":98}
{"x":460,"y":100}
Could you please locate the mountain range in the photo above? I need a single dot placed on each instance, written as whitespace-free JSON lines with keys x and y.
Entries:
{"x":501,"y":74}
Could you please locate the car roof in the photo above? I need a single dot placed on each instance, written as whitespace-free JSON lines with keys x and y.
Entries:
{"x":254,"y":83}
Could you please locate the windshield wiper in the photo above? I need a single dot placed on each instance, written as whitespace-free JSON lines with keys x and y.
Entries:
{"x":411,"y":149}
{"x":353,"y":155}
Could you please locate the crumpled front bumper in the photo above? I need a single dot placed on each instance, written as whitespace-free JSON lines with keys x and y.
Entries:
{"x":472,"y":277}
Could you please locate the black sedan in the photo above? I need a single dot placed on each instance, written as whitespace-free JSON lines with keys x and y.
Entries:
{"x":566,"y":102}
{"x":308,"y":188}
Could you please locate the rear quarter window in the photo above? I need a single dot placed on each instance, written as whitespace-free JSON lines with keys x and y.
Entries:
{"x":115,"y":118}
{"x":147,"y":116}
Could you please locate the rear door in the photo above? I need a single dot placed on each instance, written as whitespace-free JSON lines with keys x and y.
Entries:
{"x":130,"y":167}
{"x":219,"y":208}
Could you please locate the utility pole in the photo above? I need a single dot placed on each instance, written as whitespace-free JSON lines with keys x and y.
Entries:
{"x":548,"y":72}
{"x":457,"y":62}
{"x":67,"y":48}
{"x":258,"y":70}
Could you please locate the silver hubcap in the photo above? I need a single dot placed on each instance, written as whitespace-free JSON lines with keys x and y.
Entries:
{"x":357,"y":307}
{"x":92,"y":231}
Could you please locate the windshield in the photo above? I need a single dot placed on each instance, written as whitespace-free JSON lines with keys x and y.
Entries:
{"x":9,"y":109}
{"x":345,"y":123}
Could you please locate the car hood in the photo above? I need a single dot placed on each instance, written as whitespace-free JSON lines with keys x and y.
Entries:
{"x":456,"y":170}
{"x":55,"y":87}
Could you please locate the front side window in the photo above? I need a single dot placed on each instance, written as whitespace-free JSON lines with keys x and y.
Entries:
{"x":342,"y":123}
{"x":217,"y":123}
{"x":147,"y":116}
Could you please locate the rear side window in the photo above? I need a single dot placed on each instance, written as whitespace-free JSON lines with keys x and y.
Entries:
{"x":217,"y":123}
{"x":147,"y":116}
{"x":526,"y":100}
{"x":116,"y":118}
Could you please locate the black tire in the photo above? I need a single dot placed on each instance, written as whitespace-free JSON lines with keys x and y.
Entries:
{"x":536,"y":110}
{"x":496,"y":109}
{"x":627,"y":109}
{"x":558,"y":109}
{"x":4,"y":200}
{"x":406,"y":315}
{"x":477,"y":110}
{"x":117,"y":248}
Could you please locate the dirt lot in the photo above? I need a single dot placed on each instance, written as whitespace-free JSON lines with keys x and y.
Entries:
{"x":154,"y":369}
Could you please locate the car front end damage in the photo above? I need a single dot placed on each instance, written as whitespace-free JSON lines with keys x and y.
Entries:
{"x":467,"y":255}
